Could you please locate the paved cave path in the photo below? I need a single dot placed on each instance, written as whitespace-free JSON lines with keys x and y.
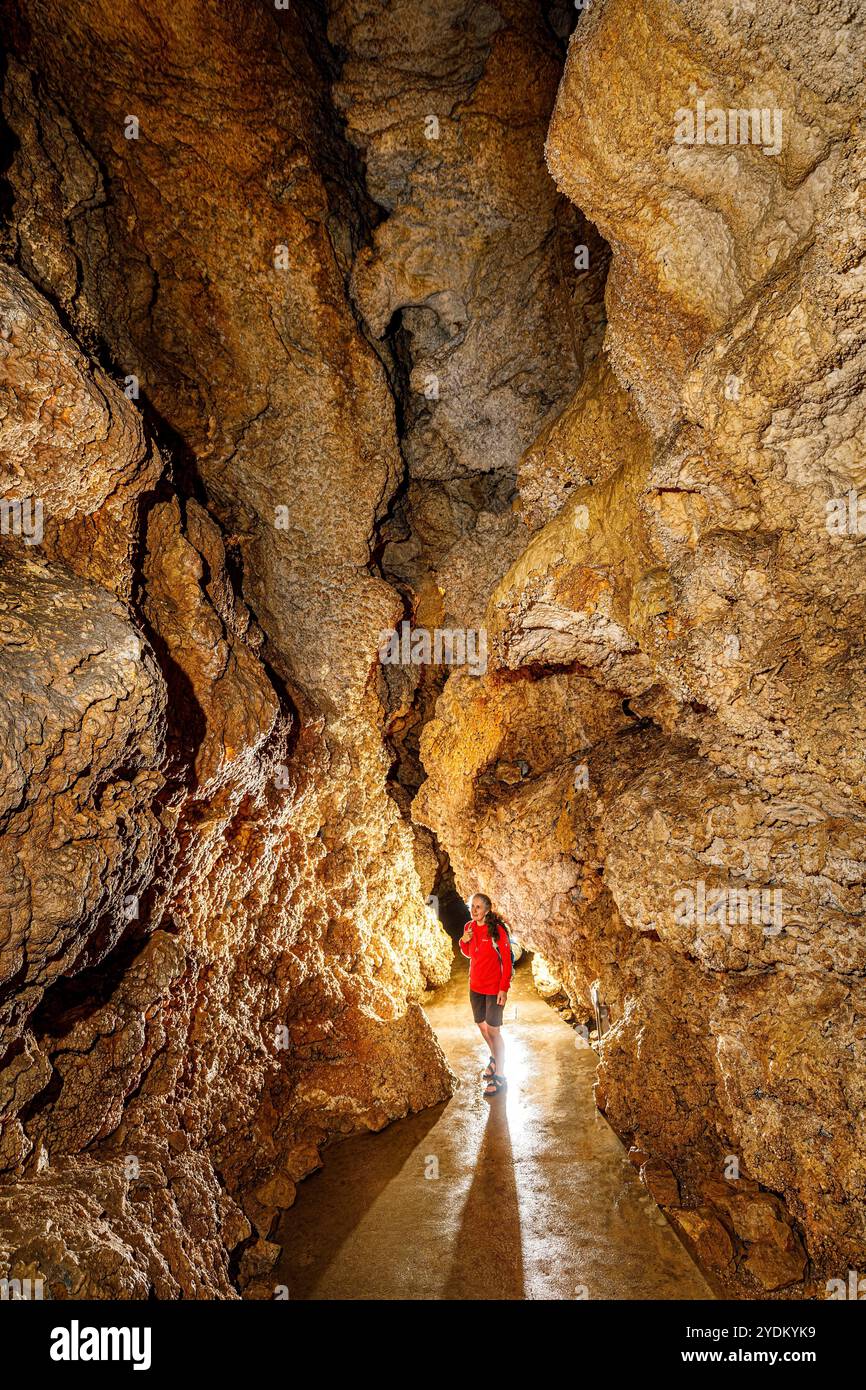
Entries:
{"x":535,"y":1196}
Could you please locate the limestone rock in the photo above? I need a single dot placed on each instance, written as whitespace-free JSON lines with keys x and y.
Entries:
{"x":548,"y":986}
{"x":482,"y":285}
{"x":706,"y":1233}
{"x":297,"y":343}
{"x":477,"y":250}
{"x":660,"y":1183}
{"x":84,"y":709}
{"x":69,"y":437}
{"x":217,"y":936}
{"x":775,"y":1268}
{"x":682,"y":564}
{"x":90,"y":1230}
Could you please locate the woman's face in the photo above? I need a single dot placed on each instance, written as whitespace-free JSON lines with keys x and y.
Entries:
{"x":478,"y":908}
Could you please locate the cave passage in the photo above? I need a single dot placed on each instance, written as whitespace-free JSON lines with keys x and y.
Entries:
{"x":528,"y":1196}
{"x":430,"y":442}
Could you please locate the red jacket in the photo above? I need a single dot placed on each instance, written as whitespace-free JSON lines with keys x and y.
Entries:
{"x":487,"y":975}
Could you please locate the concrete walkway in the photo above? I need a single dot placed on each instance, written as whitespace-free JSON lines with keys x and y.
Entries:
{"x":534,"y":1199}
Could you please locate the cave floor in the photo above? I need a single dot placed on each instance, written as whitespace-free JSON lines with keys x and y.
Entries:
{"x":535,"y":1197}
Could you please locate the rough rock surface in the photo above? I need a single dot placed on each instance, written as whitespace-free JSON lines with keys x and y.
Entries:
{"x":685,"y":588}
{"x":471,"y":277}
{"x":215,"y":934}
{"x":482,"y":289}
{"x":297,"y":340}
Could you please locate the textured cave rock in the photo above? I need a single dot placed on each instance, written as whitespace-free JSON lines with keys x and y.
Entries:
{"x":310,"y":354}
{"x":468,"y":287}
{"x":83,"y":709}
{"x":468,"y":276}
{"x":216,"y":933}
{"x":684,"y":566}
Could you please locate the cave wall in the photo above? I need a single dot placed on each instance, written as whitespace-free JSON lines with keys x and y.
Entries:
{"x":679,"y":646}
{"x":215,"y":932}
{"x":468,"y":281}
{"x":296,"y":344}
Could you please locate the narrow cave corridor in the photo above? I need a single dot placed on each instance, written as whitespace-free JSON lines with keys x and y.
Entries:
{"x":531,"y":1198}
{"x":430,"y":441}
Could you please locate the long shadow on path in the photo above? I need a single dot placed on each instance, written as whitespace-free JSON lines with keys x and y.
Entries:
{"x":488,"y":1257}
{"x":528,"y":1195}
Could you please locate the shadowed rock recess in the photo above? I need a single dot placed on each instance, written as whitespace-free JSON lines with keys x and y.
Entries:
{"x":319,"y":319}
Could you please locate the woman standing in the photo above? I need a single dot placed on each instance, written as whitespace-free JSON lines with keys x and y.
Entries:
{"x":485,"y":942}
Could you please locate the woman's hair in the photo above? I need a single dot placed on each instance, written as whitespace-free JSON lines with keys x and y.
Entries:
{"x":493,"y":922}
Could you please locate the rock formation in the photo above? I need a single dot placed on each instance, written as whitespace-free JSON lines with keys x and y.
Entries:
{"x":678,"y":647}
{"x":316,"y":321}
{"x":215,"y":934}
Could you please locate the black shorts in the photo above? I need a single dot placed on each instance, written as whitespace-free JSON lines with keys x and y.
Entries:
{"x":485,"y":1009}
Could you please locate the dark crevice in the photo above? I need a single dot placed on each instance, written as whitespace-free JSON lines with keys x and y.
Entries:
{"x":90,"y":983}
{"x":9,"y":146}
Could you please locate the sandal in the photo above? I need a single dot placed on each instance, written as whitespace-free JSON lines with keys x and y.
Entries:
{"x":490,"y":1069}
{"x":496,"y":1083}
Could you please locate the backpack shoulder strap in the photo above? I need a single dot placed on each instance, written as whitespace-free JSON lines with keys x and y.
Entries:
{"x":494,"y":941}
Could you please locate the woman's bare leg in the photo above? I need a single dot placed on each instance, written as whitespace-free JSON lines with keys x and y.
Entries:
{"x":497,"y":1047}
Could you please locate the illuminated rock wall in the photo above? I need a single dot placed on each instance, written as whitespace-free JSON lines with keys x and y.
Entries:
{"x":678,"y":651}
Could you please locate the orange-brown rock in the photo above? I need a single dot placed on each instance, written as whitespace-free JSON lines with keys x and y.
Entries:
{"x":683,"y":566}
{"x":705,"y":1233}
{"x":217,"y":935}
{"x":298,"y":339}
{"x":660,"y":1182}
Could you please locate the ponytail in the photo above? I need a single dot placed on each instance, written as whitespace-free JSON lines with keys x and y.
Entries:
{"x":493,"y":922}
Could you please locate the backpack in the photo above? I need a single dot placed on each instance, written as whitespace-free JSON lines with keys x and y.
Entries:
{"x":500,"y":925}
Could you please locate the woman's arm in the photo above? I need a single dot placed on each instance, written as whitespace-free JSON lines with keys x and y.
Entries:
{"x":467,"y":940}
